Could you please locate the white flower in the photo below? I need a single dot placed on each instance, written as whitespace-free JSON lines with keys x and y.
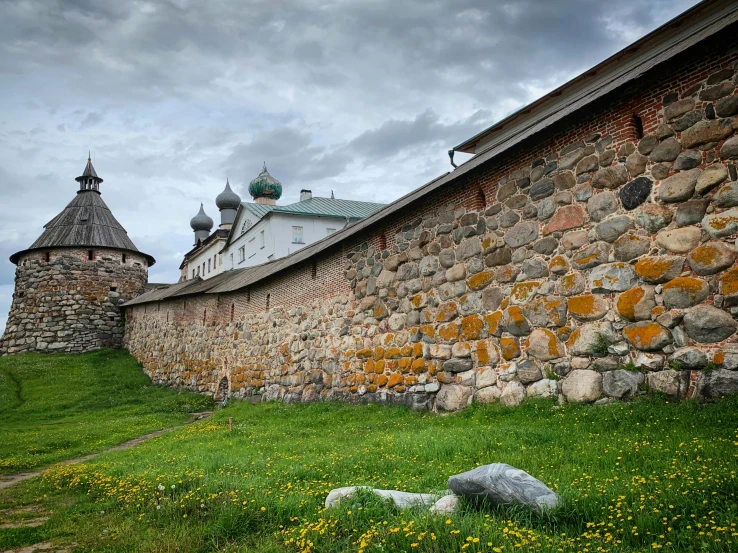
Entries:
{"x":160,"y":487}
{"x":173,"y":486}
{"x":158,"y":507}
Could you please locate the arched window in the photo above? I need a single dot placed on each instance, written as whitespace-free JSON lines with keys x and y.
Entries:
{"x":90,"y":255}
{"x":313,"y":270}
{"x":248,"y":295}
{"x":233,"y":311}
{"x":269,"y":297}
{"x":47,"y":256}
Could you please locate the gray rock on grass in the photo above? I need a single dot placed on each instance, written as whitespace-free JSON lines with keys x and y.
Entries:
{"x":502,"y":484}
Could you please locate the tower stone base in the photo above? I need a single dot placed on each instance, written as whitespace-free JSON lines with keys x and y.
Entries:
{"x":67,"y":302}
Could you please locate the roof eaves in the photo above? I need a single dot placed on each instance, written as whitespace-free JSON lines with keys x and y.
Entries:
{"x":606,"y":75}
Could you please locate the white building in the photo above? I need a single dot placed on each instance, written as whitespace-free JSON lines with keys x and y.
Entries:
{"x":262,"y":231}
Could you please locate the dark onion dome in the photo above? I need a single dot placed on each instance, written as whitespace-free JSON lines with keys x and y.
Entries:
{"x":201,"y":221}
{"x":228,"y":199}
{"x":265,"y":185}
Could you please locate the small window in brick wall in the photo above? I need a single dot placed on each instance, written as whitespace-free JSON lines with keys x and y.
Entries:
{"x":204,"y":315}
{"x":481,"y":200}
{"x":47,"y":256}
{"x":233,"y":311}
{"x":269,"y":297}
{"x":637,"y":124}
{"x":248,"y":295}
{"x":90,"y":255}
{"x":313,"y":270}
{"x":113,"y":288}
{"x":123,"y":259}
{"x":382,"y":241}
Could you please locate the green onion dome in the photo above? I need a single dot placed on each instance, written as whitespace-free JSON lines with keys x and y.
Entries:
{"x":265,"y":185}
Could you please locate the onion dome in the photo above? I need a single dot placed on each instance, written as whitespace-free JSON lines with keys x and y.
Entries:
{"x":228,"y":199}
{"x":265,"y":185}
{"x":201,"y":221}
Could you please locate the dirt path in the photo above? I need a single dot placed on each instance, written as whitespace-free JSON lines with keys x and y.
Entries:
{"x":11,"y":479}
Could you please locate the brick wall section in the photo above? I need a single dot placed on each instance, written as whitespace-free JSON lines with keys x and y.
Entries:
{"x":548,"y":271}
{"x":69,"y":303}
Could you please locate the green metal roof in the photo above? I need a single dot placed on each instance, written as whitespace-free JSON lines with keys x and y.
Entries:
{"x":330,"y":207}
{"x":257,"y":210}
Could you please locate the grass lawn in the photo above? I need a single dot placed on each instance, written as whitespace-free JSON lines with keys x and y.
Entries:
{"x":57,"y":407}
{"x":642,"y":476}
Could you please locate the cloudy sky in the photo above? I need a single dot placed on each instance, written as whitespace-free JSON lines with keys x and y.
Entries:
{"x":362,"y":97}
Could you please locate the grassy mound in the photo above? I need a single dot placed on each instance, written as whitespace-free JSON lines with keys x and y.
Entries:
{"x":56,"y":407}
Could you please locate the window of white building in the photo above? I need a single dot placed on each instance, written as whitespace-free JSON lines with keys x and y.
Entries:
{"x":297,"y":235}
{"x":261,"y":239}
{"x":241,"y":254}
{"x":209,"y":262}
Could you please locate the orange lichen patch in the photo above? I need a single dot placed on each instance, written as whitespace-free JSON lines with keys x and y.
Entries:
{"x":506,"y":273}
{"x":382,"y":380}
{"x":392,"y":353}
{"x":730,"y":282}
{"x":389,"y":339}
{"x":446,"y":377}
{"x":628,"y":300}
{"x":504,"y":303}
{"x":449,"y":332}
{"x":447,"y":312}
{"x":688,"y":285}
{"x":472,"y":327}
{"x":417,"y":349}
{"x":509,"y":348}
{"x":586,"y":307}
{"x":378,"y":352}
{"x":706,"y":254}
{"x":573,"y":337}
{"x":418,"y":365}
{"x":569,"y":282}
{"x":428,"y":330}
{"x":350,"y":353}
{"x":364,"y":353}
{"x":523,"y":291}
{"x":719,"y":358}
{"x":558,"y":265}
{"x":582,"y":261}
{"x":487,"y":242}
{"x":369,"y":366}
{"x":380,"y":312}
{"x":644,"y":335}
{"x":482,"y":352}
{"x":515,"y":317}
{"x":652,"y":269}
{"x":417,"y":300}
{"x":410,"y":380}
{"x":371,"y":388}
{"x":379,"y":366}
{"x":405,"y":363}
{"x":480,"y":280}
{"x":720,"y":223}
{"x":493,"y":321}
{"x":658,"y":310}
{"x":407,"y":350}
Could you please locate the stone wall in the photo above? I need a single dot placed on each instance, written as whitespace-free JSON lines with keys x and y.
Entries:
{"x":591,"y":263}
{"x":69,"y":303}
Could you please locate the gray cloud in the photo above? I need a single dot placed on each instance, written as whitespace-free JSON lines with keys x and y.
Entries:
{"x":362,"y":97}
